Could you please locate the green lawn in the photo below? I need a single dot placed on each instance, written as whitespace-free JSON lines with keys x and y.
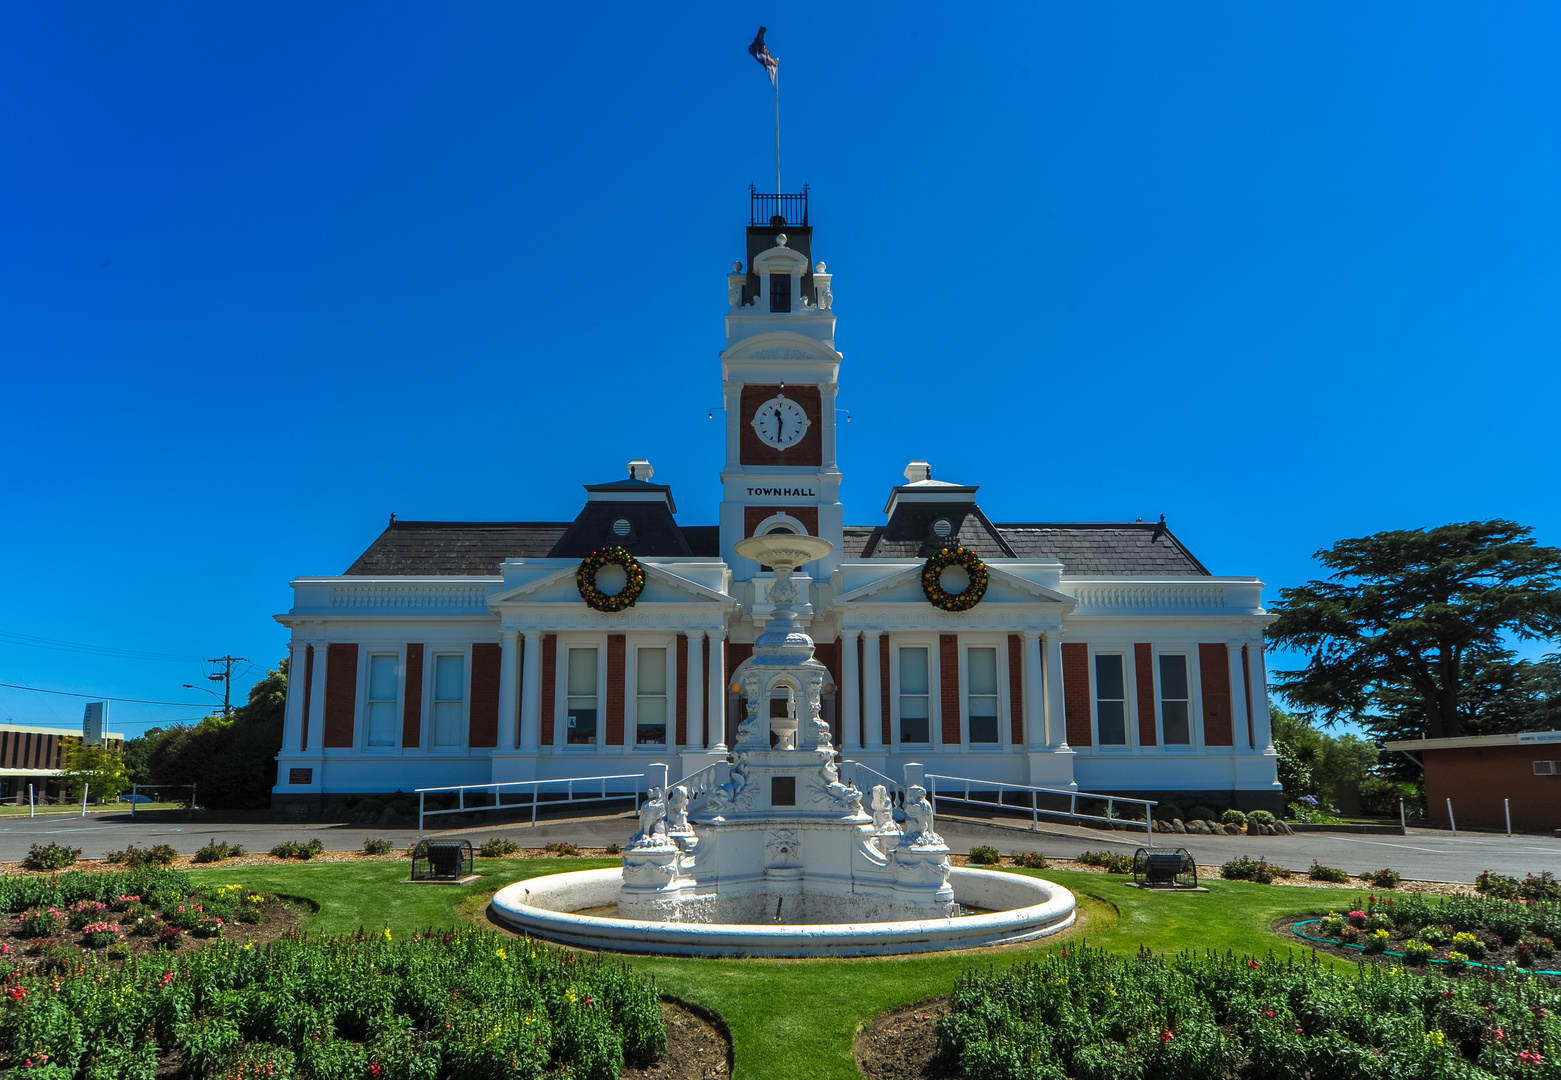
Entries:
{"x":12,"y":810}
{"x":798,"y":1018}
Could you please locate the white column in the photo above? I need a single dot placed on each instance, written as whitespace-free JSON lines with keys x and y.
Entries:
{"x":317,"y":698}
{"x":696,"y":691}
{"x":718,"y":690}
{"x":292,"y":726}
{"x":1056,"y":705}
{"x":508,"y":698}
{"x":531,"y":691}
{"x":872,"y":693}
{"x":1238,"y":695}
{"x":850,"y":694}
{"x":1260,"y":722}
{"x":1035,"y":734}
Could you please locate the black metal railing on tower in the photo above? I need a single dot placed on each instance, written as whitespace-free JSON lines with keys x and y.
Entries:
{"x":764,"y":209}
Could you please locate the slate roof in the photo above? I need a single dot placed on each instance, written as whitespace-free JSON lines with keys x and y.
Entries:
{"x":478,"y":547}
{"x":909,"y":532}
{"x":1142,"y":548}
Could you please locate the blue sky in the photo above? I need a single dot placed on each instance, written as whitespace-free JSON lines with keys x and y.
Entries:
{"x":271,"y":272}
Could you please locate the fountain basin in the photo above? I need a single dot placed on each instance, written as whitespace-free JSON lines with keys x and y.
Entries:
{"x":1016,"y":908}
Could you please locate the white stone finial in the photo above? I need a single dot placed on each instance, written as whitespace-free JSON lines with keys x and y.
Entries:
{"x":780,"y":240}
{"x":917,"y":471}
{"x":819,"y":269}
{"x":737,"y":267}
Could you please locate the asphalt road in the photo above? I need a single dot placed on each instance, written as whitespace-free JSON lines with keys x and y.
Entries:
{"x":1424,"y":853}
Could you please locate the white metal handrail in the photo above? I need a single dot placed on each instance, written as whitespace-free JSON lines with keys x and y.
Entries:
{"x":699,"y":784}
{"x":535,"y":786}
{"x":1036,"y":810}
{"x":895,"y":787}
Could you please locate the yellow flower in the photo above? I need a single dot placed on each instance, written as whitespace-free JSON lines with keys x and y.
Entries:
{"x":569,"y":995}
{"x":1436,"y":1037}
{"x":503,"y":955}
{"x":387,"y":933}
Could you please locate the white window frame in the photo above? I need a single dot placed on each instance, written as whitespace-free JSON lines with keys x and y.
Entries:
{"x":430,"y":665}
{"x":566,"y":642}
{"x":631,"y":696}
{"x":792,"y":523}
{"x":999,"y":644}
{"x":1129,"y":719}
{"x":934,"y":690}
{"x":1194,"y":704}
{"x":361,"y":736}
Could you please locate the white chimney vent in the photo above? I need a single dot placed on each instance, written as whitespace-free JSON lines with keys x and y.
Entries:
{"x":918,"y":471}
{"x":640,"y":470}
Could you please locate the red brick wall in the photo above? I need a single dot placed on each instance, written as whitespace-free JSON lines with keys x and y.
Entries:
{"x":412,"y":707}
{"x":617,"y":652}
{"x":681,"y":736}
{"x":303,"y":743}
{"x":1076,"y":693}
{"x":1143,"y":661}
{"x":1016,"y":689}
{"x":549,"y":670}
{"x":754,"y":451}
{"x":483,"y":717}
{"x":1477,"y":779}
{"x":341,"y":694}
{"x":1214,"y":677}
{"x":948,"y":677}
{"x":807,"y":516}
{"x":883,"y":687}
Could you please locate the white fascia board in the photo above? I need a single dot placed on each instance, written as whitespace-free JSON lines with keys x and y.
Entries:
{"x":630,"y":496}
{"x":1467,"y":742}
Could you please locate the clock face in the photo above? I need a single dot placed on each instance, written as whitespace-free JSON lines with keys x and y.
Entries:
{"x":781,"y":423}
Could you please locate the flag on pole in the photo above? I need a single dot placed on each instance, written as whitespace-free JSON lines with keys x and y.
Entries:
{"x":761,"y":53}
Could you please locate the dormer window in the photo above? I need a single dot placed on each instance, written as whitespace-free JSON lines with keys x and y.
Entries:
{"x":780,"y":292}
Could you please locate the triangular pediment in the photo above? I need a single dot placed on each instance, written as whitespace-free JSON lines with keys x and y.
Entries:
{"x":903,"y":585}
{"x":662,"y":586}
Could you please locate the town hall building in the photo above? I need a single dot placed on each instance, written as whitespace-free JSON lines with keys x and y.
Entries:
{"x":1092,"y":657}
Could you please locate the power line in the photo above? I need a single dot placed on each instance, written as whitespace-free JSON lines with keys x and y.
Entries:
{"x":102,"y":697}
{"x":8,"y":637}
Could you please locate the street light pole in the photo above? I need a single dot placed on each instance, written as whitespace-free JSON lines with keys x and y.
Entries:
{"x":226,"y":679}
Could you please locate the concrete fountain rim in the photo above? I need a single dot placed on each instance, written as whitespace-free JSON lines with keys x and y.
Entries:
{"x":1055,"y":912}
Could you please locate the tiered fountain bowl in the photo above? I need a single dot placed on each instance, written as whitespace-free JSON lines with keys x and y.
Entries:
{"x":772,"y":852}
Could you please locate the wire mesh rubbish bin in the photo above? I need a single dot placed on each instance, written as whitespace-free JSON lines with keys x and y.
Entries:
{"x":1164,"y":869}
{"x":441,"y":860}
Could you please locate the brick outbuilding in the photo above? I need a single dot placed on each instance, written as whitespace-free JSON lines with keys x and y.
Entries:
{"x":1478,"y":772}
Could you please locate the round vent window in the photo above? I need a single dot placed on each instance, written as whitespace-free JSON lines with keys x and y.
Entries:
{"x":621,"y":527}
{"x":942,"y":527}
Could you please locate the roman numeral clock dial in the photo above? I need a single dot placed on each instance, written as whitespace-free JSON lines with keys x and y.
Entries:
{"x":780,"y":422}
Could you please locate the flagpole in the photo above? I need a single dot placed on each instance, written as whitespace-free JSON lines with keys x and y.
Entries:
{"x":777,"y":133}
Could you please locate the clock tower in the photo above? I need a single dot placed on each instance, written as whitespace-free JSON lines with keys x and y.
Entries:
{"x":780,"y":375}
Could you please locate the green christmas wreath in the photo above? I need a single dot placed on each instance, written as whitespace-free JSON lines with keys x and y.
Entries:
{"x":932,"y":579}
{"x":634,"y":579}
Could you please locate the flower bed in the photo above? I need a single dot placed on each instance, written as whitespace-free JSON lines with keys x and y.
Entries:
{"x":1451,"y":933}
{"x":57,"y":924}
{"x":445,"y":1004}
{"x":1093,"y":1015}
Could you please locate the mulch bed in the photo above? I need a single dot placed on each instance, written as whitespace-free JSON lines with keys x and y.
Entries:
{"x":1297,"y":877}
{"x":1497,"y":958}
{"x":699,"y":1046}
{"x":902,"y":1044}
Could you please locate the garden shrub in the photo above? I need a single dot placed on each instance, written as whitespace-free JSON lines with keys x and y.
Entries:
{"x":1085,"y":1012}
{"x":556,"y":848}
{"x":43,"y":922}
{"x":1499,"y":886}
{"x":1543,"y":887}
{"x":1319,"y":872}
{"x":83,"y":912}
{"x":377,"y":847}
{"x":1233,"y":817}
{"x":132,"y":856}
{"x":1417,"y":952}
{"x":450,"y":1004}
{"x":1114,"y":862}
{"x":1469,"y":944}
{"x":215,"y":852}
{"x":614,"y":849}
{"x":1245,"y":868}
{"x":292,"y":849}
{"x":1260,"y":817}
{"x":99,"y":935}
{"x":1033,"y":861}
{"x":50,"y":857}
{"x":985,"y":856}
{"x":1383,"y":879}
{"x":497,"y":847}
{"x":1202,"y":813}
{"x":1168,"y":811}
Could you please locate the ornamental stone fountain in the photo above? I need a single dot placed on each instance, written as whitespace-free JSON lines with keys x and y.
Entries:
{"x":772,"y":852}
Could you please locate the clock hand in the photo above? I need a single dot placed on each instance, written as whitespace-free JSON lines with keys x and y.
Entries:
{"x":780,"y":423}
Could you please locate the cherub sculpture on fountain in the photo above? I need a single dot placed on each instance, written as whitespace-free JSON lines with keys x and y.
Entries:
{"x":918,"y":819}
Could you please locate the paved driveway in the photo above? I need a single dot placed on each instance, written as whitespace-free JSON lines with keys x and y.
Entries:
{"x":1424,"y":853}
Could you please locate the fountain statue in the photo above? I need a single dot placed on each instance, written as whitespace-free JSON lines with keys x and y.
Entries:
{"x":782,"y":830}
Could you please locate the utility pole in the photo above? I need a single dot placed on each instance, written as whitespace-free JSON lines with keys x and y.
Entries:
{"x":226,"y":679}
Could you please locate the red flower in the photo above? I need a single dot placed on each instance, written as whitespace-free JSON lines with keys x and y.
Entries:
{"x":1269,"y":1014}
{"x":17,"y":993}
